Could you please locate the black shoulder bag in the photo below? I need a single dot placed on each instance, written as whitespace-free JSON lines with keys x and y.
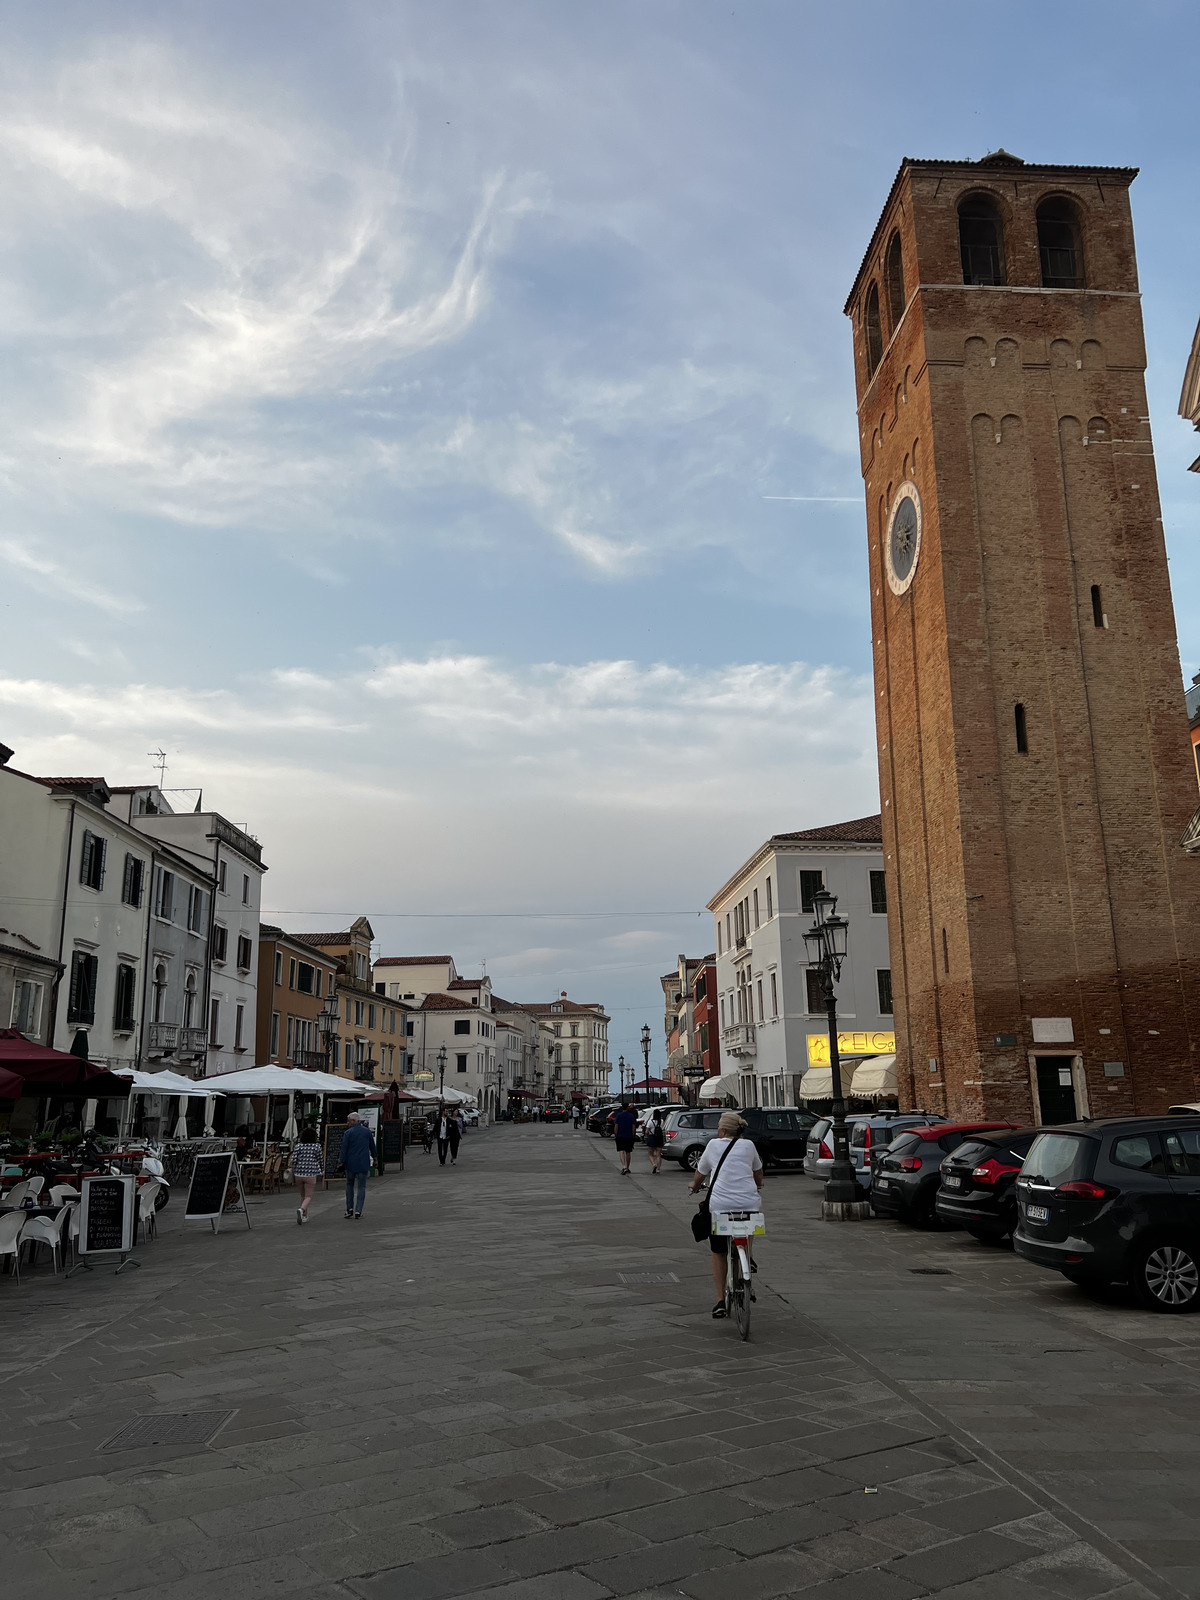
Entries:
{"x":702,"y":1221}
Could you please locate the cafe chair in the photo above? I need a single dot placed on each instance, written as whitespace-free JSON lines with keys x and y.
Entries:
{"x":10,"y":1239}
{"x":61,"y":1193}
{"x":71,"y":1233}
{"x":33,"y":1187}
{"x":47,"y":1231}
{"x":146,"y":1211}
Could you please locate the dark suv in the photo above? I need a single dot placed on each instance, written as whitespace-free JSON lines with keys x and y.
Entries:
{"x":1116,"y":1200}
{"x":978,"y":1184}
{"x":904,"y":1183}
{"x":779,"y":1133}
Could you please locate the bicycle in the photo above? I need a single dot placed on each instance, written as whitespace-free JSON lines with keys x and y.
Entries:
{"x":739,"y":1227}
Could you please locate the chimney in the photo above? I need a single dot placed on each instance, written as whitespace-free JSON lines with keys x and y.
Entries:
{"x":6,"y":755}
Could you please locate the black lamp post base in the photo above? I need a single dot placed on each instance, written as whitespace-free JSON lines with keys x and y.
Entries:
{"x":845,"y":1211}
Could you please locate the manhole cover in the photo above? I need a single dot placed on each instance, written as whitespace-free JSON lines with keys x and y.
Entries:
{"x":181,"y":1427}
{"x":647,"y":1277}
{"x":932,"y":1272}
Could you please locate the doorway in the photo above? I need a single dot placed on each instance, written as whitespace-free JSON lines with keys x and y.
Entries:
{"x":1055,"y":1082}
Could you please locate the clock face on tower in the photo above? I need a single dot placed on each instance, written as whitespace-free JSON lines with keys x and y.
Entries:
{"x":902,"y":545}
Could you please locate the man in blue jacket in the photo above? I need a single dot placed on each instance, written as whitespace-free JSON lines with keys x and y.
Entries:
{"x":358,"y":1154}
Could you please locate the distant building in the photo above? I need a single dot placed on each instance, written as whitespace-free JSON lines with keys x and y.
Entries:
{"x":371,"y":1042}
{"x":578,"y":1041}
{"x":1189,"y":399}
{"x":690,"y":1023}
{"x":295,"y":982}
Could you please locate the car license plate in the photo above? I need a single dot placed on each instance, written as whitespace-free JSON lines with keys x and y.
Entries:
{"x":883,"y":1183}
{"x":1038,"y":1213}
{"x":951,"y":1183}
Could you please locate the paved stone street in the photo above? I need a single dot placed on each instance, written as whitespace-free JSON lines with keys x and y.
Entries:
{"x":504,"y":1381}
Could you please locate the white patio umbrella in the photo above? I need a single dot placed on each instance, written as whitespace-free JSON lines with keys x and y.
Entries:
{"x":181,"y":1127}
{"x":210,"y":1102}
{"x":290,"y":1130}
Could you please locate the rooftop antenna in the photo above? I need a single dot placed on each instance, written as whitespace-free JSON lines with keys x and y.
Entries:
{"x":159,"y":757}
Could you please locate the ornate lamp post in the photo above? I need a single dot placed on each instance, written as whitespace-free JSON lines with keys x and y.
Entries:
{"x":621,"y":1074}
{"x":328,"y":1020}
{"x":826,"y":942}
{"x":646,"y":1056}
{"x":441,"y":1061}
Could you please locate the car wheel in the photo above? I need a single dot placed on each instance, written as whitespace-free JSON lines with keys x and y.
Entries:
{"x":924,"y":1212}
{"x":691,"y":1159}
{"x":1165,"y":1276}
{"x":987,"y":1235}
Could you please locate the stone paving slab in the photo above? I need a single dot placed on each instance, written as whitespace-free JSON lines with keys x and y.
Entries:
{"x":465,"y":1395}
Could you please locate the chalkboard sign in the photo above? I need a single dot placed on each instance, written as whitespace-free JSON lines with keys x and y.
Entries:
{"x":391,"y":1143}
{"x":333,"y":1148}
{"x":106,"y":1215}
{"x":216,"y":1187}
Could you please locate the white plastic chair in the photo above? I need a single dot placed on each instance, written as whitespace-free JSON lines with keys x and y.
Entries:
{"x":146,"y":1211}
{"x":45,"y":1230}
{"x":31,"y":1187}
{"x":62,"y":1192}
{"x":70,"y":1232}
{"x":10,"y":1238}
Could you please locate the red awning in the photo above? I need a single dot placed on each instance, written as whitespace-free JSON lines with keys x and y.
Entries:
{"x":45,"y":1069}
{"x":654,"y":1083}
{"x":11,"y":1087}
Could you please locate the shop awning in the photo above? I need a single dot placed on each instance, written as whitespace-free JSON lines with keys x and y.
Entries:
{"x":874,"y":1079}
{"x":169,"y":1083}
{"x":817,"y":1084}
{"x":46,"y":1071}
{"x":283,"y":1080}
{"x":724,"y":1087}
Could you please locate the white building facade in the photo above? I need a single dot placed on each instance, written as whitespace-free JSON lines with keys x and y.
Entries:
{"x":772,"y":1014}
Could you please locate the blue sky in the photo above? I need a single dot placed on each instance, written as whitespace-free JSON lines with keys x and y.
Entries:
{"x":393,"y":398}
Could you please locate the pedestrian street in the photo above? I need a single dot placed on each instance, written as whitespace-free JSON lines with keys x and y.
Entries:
{"x":504,"y":1380}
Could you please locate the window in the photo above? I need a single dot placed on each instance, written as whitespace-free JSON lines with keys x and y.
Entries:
{"x":758,"y":986}
{"x":214,"y":1024}
{"x":883,"y":982}
{"x":220,"y":942}
{"x":245,"y":952}
{"x":371,"y":1017}
{"x":274,"y":1035}
{"x":1183,"y":1152}
{"x":574,"y":1030}
{"x":872,"y":330}
{"x":728,"y":939}
{"x":349,"y":1018}
{"x":360,"y":967}
{"x":574,"y":1052}
{"x":704,"y":1038}
{"x":945,"y":952}
{"x":1058,"y":245}
{"x":91,"y":860}
{"x":195,"y":911}
{"x":719,"y":949}
{"x":221,"y":877}
{"x":893,"y":273}
{"x":1021,"y":730}
{"x":462,"y":1025}
{"x":756,"y":921}
{"x":410,"y":1027}
{"x":879,"y":893}
{"x":1141,"y":1153}
{"x":164,"y":895}
{"x":124,"y":999}
{"x":278,"y":968}
{"x":811,"y":883}
{"x":460,"y":1063}
{"x":81,"y":1000}
{"x":26,"y":1006}
{"x":359,"y":1009}
{"x":292,"y":965}
{"x":770,"y":906}
{"x":1097,"y":606}
{"x":305,"y":976}
{"x":774,"y":997}
{"x":245,"y":888}
{"x":318,"y":970}
{"x":558,"y":1030}
{"x":391,"y":1022}
{"x":814,"y":989}
{"x":722,"y":1003}
{"x":160,"y":993}
{"x":981,"y":241}
{"x":132,"y":881}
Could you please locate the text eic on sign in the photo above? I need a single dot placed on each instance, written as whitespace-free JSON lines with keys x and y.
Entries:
{"x":215,"y":1190}
{"x":106,"y":1219}
{"x":849,"y":1044}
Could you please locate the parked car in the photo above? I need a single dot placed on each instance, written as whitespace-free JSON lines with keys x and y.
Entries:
{"x":978,"y":1190}
{"x":598,"y":1116}
{"x":870,"y":1132}
{"x":687,"y":1133}
{"x":646,"y":1115}
{"x":1116,"y":1201}
{"x":905,"y":1180}
{"x":780,"y":1133}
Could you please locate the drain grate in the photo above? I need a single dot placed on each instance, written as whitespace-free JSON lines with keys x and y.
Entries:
{"x":647,"y":1277}
{"x":932,"y":1272}
{"x":172,"y":1427}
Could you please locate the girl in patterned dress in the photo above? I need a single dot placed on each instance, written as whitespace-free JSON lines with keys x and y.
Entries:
{"x":306,"y":1167}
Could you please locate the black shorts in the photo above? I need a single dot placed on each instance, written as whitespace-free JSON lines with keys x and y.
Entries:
{"x":718,"y":1243}
{"x":625,"y":1145}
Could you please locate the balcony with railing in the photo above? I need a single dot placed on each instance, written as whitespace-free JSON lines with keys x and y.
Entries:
{"x":314,"y":1060}
{"x":739,"y":1040}
{"x":364,"y":1071}
{"x":173,"y":1039}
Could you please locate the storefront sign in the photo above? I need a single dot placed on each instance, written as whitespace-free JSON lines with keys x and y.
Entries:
{"x":849,"y":1044}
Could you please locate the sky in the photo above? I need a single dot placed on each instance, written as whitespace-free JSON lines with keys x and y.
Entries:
{"x":433,"y":426}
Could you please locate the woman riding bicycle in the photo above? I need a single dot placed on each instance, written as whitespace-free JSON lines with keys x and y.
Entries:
{"x":736,"y":1189}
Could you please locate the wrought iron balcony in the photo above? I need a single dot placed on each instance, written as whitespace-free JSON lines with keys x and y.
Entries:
{"x":739,"y":1040}
{"x":313,"y":1059}
{"x":364,"y":1071}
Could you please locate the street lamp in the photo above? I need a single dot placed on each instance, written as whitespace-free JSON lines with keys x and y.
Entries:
{"x":328,"y":1020}
{"x":646,"y":1056}
{"x":826,"y":942}
{"x":621,"y":1074}
{"x":441,"y":1061}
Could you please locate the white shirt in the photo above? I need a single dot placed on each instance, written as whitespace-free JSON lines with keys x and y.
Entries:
{"x":735,"y":1189}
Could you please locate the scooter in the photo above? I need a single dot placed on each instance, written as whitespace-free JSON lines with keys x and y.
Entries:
{"x":152,"y":1167}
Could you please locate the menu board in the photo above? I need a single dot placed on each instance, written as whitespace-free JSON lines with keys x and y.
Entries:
{"x":391,"y":1143}
{"x":333,"y":1149}
{"x":209,"y":1185}
{"x":106,"y":1215}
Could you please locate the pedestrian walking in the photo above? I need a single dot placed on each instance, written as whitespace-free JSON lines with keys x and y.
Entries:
{"x":624,"y":1127}
{"x":443,"y":1133}
{"x":358,"y":1152}
{"x":655,"y":1140}
{"x":575,"y":1116}
{"x":455,"y":1133}
{"x":306,"y":1166}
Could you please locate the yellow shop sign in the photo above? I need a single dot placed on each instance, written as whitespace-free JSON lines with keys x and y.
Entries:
{"x":849,"y":1044}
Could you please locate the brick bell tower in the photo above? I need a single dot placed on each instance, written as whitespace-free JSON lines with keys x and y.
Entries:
{"x":1034,"y":760}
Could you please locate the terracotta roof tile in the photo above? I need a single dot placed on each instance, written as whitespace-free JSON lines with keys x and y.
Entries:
{"x":412,"y":961}
{"x":864,"y":830}
{"x":442,"y":1002}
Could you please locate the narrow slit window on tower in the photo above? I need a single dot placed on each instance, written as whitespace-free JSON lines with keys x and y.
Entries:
{"x":981,"y":241}
{"x":945,"y":952}
{"x":873,"y":330}
{"x":894,"y":275}
{"x":1022,"y":731}
{"x":1058,"y":245}
{"x":1097,"y":606}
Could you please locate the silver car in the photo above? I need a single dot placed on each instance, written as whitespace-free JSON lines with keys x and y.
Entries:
{"x":869,"y":1132}
{"x":687,"y":1132}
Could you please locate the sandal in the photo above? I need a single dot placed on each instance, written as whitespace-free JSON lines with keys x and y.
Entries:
{"x":753,"y":1264}
{"x":719,"y":1311}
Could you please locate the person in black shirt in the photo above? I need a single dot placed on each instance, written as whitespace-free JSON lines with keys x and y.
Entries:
{"x":624,"y":1124}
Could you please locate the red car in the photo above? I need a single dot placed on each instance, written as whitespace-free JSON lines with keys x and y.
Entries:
{"x":905,"y":1181}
